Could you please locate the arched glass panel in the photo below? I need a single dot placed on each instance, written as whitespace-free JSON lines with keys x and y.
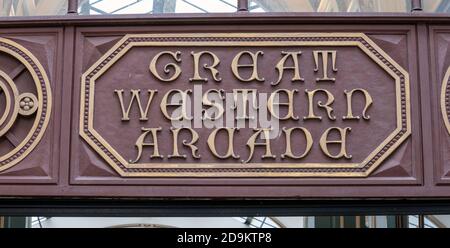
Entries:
{"x":107,"y":7}
{"x":439,"y":6}
{"x":33,"y":7}
{"x":330,"y":6}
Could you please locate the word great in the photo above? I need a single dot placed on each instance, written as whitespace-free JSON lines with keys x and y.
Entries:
{"x":236,"y":66}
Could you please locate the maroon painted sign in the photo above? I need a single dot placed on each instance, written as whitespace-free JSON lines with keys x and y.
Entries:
{"x":245,"y":105}
{"x":203,"y":111}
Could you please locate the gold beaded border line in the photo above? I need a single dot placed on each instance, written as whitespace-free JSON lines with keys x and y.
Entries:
{"x":44,"y":104}
{"x":363,"y":169}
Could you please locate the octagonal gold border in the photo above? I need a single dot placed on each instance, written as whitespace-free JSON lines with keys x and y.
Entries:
{"x":44,"y":97}
{"x":360,"y":40}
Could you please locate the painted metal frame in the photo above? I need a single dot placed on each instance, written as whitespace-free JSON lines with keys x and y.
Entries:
{"x":254,"y":203}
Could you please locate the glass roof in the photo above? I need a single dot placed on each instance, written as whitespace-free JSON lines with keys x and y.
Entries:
{"x":104,"y":7}
{"x":95,"y":7}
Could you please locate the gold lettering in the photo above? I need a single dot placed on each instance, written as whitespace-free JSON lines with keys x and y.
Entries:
{"x":140,"y":143}
{"x":251,"y":143}
{"x":324,"y":56}
{"x":235,"y":66}
{"x":135,"y":95}
{"x":212,"y":68}
{"x":184,"y":98}
{"x":368,"y":100}
{"x":342,"y":141}
{"x":326,"y":106}
{"x":218,"y":106}
{"x":194,"y":149}
{"x":309,"y":142}
{"x":289,"y":104}
{"x":245,"y":100}
{"x":167,"y":68}
{"x":212,"y":143}
{"x":281,"y":67}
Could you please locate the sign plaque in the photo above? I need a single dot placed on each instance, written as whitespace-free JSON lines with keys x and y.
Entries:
{"x":245,"y":105}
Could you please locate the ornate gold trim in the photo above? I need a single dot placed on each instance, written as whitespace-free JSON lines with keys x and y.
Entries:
{"x":445,"y":100}
{"x":44,"y":102}
{"x":9,"y":102}
{"x":360,"y":40}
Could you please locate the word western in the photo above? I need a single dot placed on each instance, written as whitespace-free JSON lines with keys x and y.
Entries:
{"x":176,"y":104}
